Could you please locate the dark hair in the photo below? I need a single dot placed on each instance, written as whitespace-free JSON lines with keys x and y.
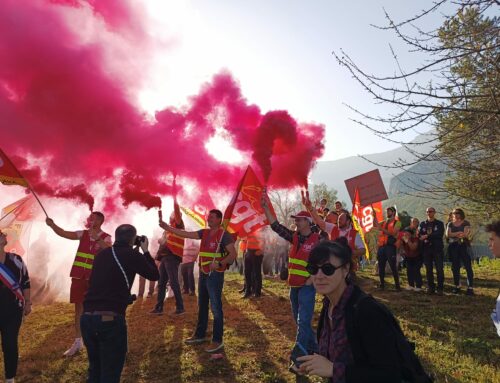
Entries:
{"x":125,"y":233}
{"x":339,"y":248}
{"x":493,"y":227}
{"x":217,"y":213}
{"x":391,"y":208}
{"x":460,"y":212}
{"x":99,"y":214}
{"x":336,"y":202}
{"x":326,"y":210}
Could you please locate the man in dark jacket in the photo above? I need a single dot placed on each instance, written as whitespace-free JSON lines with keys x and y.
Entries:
{"x":103,"y":324}
{"x":430,"y":233}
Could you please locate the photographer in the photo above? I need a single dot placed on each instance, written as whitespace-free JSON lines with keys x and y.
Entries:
{"x":103,"y":322}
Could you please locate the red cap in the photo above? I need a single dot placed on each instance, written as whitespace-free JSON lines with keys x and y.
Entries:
{"x":303,"y":214}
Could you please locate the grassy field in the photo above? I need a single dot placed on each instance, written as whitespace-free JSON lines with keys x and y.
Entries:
{"x":454,"y":335}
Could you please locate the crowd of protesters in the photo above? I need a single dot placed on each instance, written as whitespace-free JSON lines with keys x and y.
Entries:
{"x":325,"y":251}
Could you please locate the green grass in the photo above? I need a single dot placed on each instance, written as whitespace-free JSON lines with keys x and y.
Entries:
{"x":454,"y":335}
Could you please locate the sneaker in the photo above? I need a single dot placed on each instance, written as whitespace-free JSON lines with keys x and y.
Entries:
{"x":195,"y":340}
{"x":179,"y":312}
{"x":156,"y":311}
{"x":409,"y":288}
{"x":417,"y":289}
{"x":456,"y":290}
{"x":11,"y":380}
{"x":470,"y":291}
{"x":75,"y":347}
{"x":214,"y":347}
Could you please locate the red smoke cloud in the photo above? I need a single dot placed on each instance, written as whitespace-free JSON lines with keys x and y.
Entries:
{"x":60,"y":102}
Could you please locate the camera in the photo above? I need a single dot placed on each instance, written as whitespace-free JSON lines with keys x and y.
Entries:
{"x":139,"y":239}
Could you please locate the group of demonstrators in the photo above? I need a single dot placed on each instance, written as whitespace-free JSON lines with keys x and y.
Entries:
{"x":325,"y":250}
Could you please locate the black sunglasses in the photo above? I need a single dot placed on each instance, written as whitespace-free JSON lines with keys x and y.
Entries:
{"x":326,"y":268}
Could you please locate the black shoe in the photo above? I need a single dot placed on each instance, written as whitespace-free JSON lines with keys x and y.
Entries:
{"x":156,"y":311}
{"x":179,"y":312}
{"x":398,"y":288}
{"x":246,"y":296}
{"x":380,"y":287}
{"x":456,"y":290}
{"x":440,"y":292}
{"x":469,"y":291}
{"x":258,"y":295}
{"x":430,"y":291}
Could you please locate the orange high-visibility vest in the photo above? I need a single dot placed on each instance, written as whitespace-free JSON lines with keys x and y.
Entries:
{"x":297,"y":260}
{"x":210,"y":252}
{"x":175,"y":244}
{"x":84,"y":259}
{"x":382,"y":238}
{"x":253,"y":242}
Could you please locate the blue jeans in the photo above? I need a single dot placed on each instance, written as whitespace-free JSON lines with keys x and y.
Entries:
{"x":303,"y":300}
{"x":106,"y":343}
{"x":210,"y":291}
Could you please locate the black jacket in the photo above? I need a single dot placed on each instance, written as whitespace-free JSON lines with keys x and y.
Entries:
{"x":373,"y":337}
{"x":107,"y":286}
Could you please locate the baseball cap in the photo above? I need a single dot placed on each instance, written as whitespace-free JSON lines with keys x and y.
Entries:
{"x":303,"y":214}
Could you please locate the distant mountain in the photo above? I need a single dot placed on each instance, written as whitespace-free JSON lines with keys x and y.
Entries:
{"x":333,"y":173}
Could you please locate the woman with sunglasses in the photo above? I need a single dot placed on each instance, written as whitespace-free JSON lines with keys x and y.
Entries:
{"x":359,"y":339}
{"x":14,"y":302}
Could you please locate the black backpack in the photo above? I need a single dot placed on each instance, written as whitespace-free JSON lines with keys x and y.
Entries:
{"x":412,"y":369}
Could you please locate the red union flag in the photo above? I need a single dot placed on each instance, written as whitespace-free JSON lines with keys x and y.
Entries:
{"x":17,"y":223}
{"x":364,"y":214}
{"x":9,"y":175}
{"x":198,"y":214}
{"x":245,"y":214}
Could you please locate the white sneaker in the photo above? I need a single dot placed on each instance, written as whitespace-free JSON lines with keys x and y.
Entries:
{"x":409,"y":288}
{"x":11,"y":380}
{"x":418,"y":289}
{"x":75,"y":347}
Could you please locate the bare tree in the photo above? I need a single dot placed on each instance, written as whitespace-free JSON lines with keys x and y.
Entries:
{"x":285,"y":203}
{"x":452,"y":96}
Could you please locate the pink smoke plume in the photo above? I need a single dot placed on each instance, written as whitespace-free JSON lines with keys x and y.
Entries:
{"x":61,"y":103}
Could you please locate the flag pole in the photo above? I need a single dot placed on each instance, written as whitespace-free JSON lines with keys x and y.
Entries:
{"x":13,"y":210}
{"x":27,"y":184}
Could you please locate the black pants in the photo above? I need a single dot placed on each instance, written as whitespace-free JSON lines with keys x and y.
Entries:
{"x":434,"y":257}
{"x":106,"y":341}
{"x":413,"y":266}
{"x":10,"y":323}
{"x":386,"y":254}
{"x":253,"y":273}
{"x":187,"y":271}
{"x":169,"y":272}
{"x":459,"y":255}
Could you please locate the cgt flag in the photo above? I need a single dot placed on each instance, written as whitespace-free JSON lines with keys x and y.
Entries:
{"x":245,"y":214}
{"x":9,"y":175}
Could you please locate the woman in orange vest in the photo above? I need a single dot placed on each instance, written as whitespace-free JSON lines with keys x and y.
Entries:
{"x":253,"y":265}
{"x":170,"y":256}
{"x":92,"y":240}
{"x":217,"y":252}
{"x":302,"y":292}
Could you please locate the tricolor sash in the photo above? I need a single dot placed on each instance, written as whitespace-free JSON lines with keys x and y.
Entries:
{"x":8,"y":279}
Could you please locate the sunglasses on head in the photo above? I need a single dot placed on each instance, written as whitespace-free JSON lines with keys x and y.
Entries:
{"x":326,"y":268}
